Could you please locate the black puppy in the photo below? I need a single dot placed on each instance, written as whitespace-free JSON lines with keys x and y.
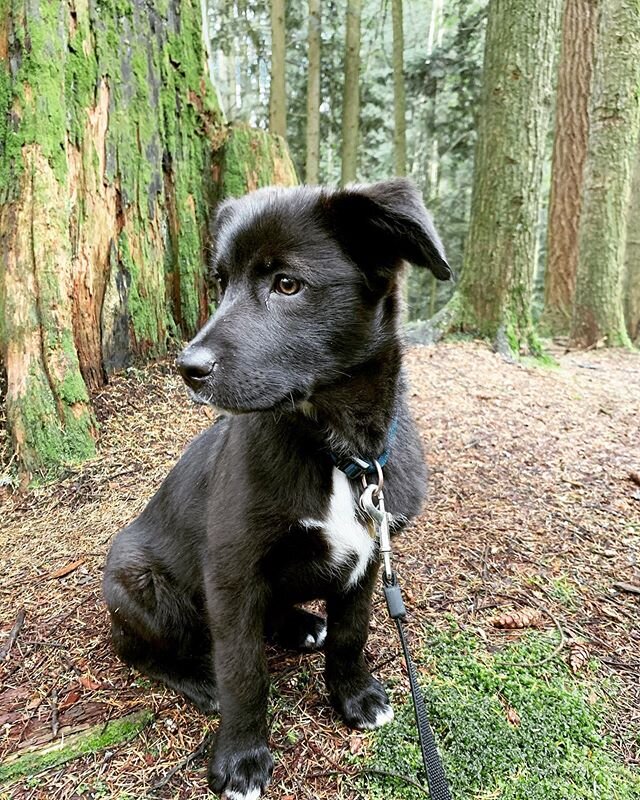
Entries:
{"x":259,"y":514}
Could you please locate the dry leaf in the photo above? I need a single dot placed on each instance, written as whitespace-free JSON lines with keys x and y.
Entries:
{"x":355,"y":744}
{"x":88,"y":682}
{"x":67,"y":569}
{"x":71,"y":698}
{"x":524,"y":618}
{"x":513,"y":717}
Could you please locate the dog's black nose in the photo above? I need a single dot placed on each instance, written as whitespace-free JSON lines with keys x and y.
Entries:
{"x":195,"y":364}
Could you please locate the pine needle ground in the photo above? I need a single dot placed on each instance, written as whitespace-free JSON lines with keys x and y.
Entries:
{"x":532,"y":505}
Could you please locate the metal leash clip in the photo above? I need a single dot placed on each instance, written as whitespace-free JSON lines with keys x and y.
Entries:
{"x":372,"y":503}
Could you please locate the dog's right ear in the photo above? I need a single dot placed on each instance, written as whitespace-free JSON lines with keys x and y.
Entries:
{"x":381,"y":225}
{"x":223,"y":214}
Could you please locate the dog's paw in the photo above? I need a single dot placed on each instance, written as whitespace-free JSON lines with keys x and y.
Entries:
{"x":364,"y":708}
{"x":301,"y":630}
{"x":240,"y":774}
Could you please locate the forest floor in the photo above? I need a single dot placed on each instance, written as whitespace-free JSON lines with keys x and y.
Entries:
{"x":533,"y":519}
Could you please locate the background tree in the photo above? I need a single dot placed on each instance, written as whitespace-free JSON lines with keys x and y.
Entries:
{"x":108,"y":160}
{"x":351,"y":96}
{"x":632,"y":257}
{"x":313,"y":94}
{"x":615,"y":124}
{"x":399,"y":105}
{"x":277,"y":92}
{"x":495,"y":292}
{"x":579,"y":29}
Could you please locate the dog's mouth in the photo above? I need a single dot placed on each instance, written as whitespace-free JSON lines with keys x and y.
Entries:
{"x":290,"y":401}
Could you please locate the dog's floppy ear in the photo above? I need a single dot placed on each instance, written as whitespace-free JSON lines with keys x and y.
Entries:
{"x":381,"y":225}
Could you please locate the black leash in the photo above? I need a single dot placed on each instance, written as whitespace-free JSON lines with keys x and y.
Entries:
{"x":436,"y":778}
{"x":372,"y":503}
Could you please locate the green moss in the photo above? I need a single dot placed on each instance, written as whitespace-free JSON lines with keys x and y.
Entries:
{"x":93,"y":740}
{"x":554,"y":749}
{"x":251,"y":159}
{"x":144,"y":319}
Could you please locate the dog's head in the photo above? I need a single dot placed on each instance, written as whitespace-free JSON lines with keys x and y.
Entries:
{"x":308,"y":289}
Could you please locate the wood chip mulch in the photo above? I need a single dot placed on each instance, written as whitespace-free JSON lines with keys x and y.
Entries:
{"x":533,"y":515}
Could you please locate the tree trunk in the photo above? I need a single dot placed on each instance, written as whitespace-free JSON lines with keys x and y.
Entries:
{"x":632,"y":257}
{"x":579,"y":30}
{"x":313,"y":95}
{"x":494,"y":296}
{"x":108,"y":125}
{"x":399,"y":104}
{"x":615,"y":122}
{"x":277,"y":94}
{"x":351,"y":96}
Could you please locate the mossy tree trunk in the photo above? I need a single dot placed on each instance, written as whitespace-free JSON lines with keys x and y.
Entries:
{"x":495,"y":291}
{"x":579,"y":29}
{"x":632,"y":257}
{"x":108,"y":128}
{"x":615,"y":123}
{"x":351,"y":94}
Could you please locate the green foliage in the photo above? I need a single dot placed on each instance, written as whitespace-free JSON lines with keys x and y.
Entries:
{"x":91,"y":741}
{"x":556,"y":752}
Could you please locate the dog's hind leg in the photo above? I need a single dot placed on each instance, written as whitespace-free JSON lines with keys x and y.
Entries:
{"x":296,"y":628}
{"x":156,"y":626}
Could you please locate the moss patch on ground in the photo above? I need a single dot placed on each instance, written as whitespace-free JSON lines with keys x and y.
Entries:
{"x":92,"y":740}
{"x":506,"y":728}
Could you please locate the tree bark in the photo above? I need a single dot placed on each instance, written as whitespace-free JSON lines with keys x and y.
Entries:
{"x":108,"y":127}
{"x":632,"y":257}
{"x":399,"y":104}
{"x":579,"y":31}
{"x":277,"y":94}
{"x":351,"y":96}
{"x":615,"y":123}
{"x":494,"y":296}
{"x":313,"y":94}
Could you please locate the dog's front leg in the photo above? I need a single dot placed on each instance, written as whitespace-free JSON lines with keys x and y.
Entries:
{"x":355,"y":694}
{"x":240,"y":764}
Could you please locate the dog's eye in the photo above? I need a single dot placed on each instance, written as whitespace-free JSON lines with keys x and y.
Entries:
{"x":285,"y":285}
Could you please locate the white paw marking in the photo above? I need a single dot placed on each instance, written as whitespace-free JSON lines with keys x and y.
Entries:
{"x":345,"y":534}
{"x":383,"y":717}
{"x":309,"y":641}
{"x":252,"y":794}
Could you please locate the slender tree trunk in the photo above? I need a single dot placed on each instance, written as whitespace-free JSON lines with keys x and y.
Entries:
{"x":579,"y":31}
{"x":632,"y":257}
{"x":615,"y":122}
{"x":494,"y":296}
{"x":277,"y":95}
{"x":351,"y":96}
{"x":399,"y":104}
{"x":313,"y":94}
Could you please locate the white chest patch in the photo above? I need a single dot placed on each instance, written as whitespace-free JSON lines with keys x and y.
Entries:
{"x":346,"y":536}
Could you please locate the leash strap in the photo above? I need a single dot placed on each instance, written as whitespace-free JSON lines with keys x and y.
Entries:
{"x":372,"y":503}
{"x":436,"y":778}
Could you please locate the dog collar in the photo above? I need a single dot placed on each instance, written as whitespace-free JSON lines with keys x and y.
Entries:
{"x":354,"y":467}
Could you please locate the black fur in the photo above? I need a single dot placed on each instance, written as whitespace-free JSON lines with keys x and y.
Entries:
{"x":227,"y":548}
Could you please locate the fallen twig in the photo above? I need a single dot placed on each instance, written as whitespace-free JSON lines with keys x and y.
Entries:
{"x":199,"y":751}
{"x":13,"y":635}
{"x":631,"y":588}
{"x":55,"y":723}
